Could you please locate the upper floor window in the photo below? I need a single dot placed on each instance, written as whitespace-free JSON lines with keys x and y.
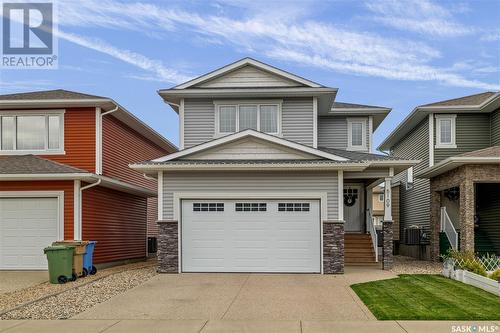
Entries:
{"x":31,"y":133}
{"x":445,"y":131}
{"x":238,"y":117}
{"x":381,"y":197}
{"x":356,"y":134}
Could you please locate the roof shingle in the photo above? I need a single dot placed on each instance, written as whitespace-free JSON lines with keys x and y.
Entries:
{"x":341,"y":105}
{"x":48,"y":95}
{"x":29,"y":164}
{"x":476,"y":99}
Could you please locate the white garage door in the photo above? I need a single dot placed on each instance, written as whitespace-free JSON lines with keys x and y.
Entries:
{"x":250,"y":236}
{"x":27,"y":226}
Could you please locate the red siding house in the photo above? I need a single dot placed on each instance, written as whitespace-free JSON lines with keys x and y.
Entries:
{"x":64,"y":174}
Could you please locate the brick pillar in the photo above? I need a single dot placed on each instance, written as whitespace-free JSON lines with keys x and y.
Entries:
{"x":467,"y":211}
{"x":333,"y":247}
{"x":435,"y":224}
{"x":388,"y":245}
{"x":168,"y":246}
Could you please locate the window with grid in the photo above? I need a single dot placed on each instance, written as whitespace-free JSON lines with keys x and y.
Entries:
{"x":293,"y":207}
{"x":250,"y":207}
{"x":445,"y":131}
{"x":239,"y":117}
{"x":208,"y":207}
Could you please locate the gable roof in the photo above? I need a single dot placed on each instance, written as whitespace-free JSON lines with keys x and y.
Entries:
{"x":484,"y":102}
{"x":29,"y":164}
{"x":352,"y":106}
{"x":242,"y":63}
{"x":350,"y":109}
{"x":249,"y":133}
{"x":61,"y":98}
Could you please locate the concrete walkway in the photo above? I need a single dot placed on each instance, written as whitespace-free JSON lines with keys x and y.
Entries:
{"x":242,"y":297}
{"x":15,"y":280}
{"x":249,"y":326}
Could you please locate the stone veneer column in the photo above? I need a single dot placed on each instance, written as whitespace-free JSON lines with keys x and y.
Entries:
{"x":435,"y":224}
{"x":333,"y":247}
{"x":467,"y":211}
{"x":387,"y":231}
{"x":168,"y":246}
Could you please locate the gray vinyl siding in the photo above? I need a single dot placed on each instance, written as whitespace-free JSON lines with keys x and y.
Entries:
{"x":297,"y":120}
{"x":472,"y":133}
{"x":415,"y":202}
{"x":332,"y":132}
{"x":489,"y":212}
{"x":250,"y":182}
{"x":495,"y":128}
{"x":199,"y":121}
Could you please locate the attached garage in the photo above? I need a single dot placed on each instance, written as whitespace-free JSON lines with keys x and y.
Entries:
{"x":251,"y":236}
{"x":28,"y":223}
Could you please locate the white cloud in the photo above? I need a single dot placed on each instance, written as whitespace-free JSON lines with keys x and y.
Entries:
{"x":307,"y":42}
{"x":155,"y":67}
{"x":421,"y":16}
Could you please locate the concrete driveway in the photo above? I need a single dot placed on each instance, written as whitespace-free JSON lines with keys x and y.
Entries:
{"x":16,"y":280}
{"x":242,"y":297}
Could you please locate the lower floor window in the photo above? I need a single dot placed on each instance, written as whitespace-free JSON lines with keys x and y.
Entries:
{"x":250,"y":207}
{"x":208,"y":207}
{"x":293,"y":207}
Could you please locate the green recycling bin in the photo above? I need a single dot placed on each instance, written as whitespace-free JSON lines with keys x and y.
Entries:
{"x":60,"y":259}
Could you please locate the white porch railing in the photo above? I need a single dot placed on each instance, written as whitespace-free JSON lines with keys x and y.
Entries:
{"x":370,"y":227}
{"x":448,"y":228}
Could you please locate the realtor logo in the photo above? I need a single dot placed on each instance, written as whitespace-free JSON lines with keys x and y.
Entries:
{"x":28,"y":35}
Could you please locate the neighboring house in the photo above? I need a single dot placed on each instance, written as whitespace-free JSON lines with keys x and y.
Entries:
{"x":455,"y":189}
{"x":378,"y":199}
{"x":64,"y":175}
{"x":271,"y":174}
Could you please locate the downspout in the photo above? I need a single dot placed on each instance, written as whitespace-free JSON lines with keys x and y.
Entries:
{"x":99,"y":134}
{"x":80,"y":203}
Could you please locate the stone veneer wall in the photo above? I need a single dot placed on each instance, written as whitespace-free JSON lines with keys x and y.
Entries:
{"x":168,"y":246}
{"x":333,"y":247}
{"x":387,"y":246}
{"x":464,"y":177}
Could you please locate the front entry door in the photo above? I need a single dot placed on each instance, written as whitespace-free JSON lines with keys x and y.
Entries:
{"x":353,"y":203}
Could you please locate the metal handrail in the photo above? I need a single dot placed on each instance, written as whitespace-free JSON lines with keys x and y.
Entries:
{"x":448,"y":228}
{"x":373,"y":233}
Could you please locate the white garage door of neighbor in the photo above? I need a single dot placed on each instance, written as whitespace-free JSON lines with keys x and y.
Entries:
{"x":27,"y":226}
{"x":251,"y":236}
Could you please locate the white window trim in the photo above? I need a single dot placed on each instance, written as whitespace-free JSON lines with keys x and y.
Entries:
{"x":409,"y":178}
{"x":351,"y":121}
{"x":46,"y":113}
{"x":237,"y":104}
{"x":380,"y":195}
{"x":452,"y":118}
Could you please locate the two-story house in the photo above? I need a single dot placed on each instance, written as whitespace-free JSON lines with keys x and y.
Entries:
{"x":64,"y":175}
{"x":272,"y":176}
{"x":453,"y":195}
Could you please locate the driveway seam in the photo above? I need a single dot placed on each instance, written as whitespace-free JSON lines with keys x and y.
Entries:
{"x":205,"y":324}
{"x":404,"y":329}
{"x":236,"y":296}
{"x":107,"y":328}
{"x":357,"y":300}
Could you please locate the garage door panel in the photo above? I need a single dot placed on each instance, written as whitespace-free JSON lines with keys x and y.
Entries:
{"x":27,"y":226}
{"x":250,"y":241}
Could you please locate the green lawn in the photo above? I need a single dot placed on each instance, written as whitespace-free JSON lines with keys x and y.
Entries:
{"x":427,"y":297}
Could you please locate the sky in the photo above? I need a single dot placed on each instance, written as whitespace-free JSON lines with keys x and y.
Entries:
{"x":392,"y":53}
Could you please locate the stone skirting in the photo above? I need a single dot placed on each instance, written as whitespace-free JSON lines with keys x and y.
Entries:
{"x":387,"y":247}
{"x":333,"y":247}
{"x":463,"y":177}
{"x":168,"y":246}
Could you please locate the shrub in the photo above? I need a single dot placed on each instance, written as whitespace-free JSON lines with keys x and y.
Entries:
{"x":474,"y":267}
{"x":495,"y":275}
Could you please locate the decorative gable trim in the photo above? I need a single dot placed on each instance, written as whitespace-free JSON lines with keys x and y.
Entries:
{"x":254,"y":134}
{"x":246,"y":62}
